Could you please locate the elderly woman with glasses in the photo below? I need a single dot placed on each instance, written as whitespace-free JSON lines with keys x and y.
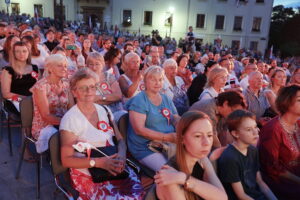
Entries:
{"x":174,"y":86}
{"x":51,"y":100}
{"x":93,"y":124}
{"x":108,"y":89}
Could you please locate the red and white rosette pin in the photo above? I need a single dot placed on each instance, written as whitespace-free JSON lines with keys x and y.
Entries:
{"x":167,"y":114}
{"x":35,"y":75}
{"x":104,"y":86}
{"x":142,"y":87}
{"x":103,"y":126}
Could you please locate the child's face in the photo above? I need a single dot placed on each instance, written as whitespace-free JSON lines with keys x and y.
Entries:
{"x":247,"y":133}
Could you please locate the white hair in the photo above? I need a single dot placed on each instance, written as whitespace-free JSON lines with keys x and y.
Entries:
{"x":129,"y":56}
{"x":169,"y":62}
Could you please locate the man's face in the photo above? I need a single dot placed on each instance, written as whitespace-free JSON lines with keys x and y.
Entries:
{"x":256,"y":81}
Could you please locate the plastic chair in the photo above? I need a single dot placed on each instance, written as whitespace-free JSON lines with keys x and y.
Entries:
{"x":61,"y":173}
{"x":147,"y":172}
{"x":26,"y":110}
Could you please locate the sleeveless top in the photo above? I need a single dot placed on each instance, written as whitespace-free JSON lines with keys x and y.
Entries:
{"x":20,"y":84}
{"x":140,"y":88}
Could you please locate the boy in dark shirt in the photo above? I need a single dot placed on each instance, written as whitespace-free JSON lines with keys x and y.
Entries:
{"x":238,"y":166}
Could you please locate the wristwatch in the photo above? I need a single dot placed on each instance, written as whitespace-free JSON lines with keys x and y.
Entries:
{"x":92,"y":163}
{"x":103,"y":98}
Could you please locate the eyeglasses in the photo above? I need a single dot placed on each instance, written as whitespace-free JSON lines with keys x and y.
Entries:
{"x":86,"y":88}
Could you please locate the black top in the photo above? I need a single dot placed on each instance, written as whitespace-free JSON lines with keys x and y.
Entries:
{"x":196,"y":88}
{"x":51,"y":45}
{"x":21,"y":84}
{"x":234,"y":167}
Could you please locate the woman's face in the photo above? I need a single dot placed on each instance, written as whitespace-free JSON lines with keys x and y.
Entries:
{"x":58,"y":69}
{"x":134,"y":63}
{"x":154,"y":82}
{"x":95,"y":65}
{"x":220,"y":80}
{"x":171,"y":71}
{"x":295,"y":107}
{"x":87,"y":44}
{"x":296,"y":76}
{"x":183,"y":62}
{"x":21,"y":53}
{"x":85,"y":90}
{"x":116,"y":59}
{"x":279,"y":79}
{"x":198,"y":138}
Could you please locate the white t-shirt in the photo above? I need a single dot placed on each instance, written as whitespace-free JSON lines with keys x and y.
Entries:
{"x":74,"y":121}
{"x":208,"y":93}
{"x":244,"y":82}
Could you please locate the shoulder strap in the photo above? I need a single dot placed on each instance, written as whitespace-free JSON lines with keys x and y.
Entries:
{"x":111,"y":124}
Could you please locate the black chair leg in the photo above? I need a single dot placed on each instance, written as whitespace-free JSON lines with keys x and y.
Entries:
{"x":9,"y":136}
{"x":38,"y":178}
{"x":25,"y":143}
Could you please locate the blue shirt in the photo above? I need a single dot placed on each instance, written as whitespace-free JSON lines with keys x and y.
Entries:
{"x":137,"y":145}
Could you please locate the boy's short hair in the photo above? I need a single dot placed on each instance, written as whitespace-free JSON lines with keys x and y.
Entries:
{"x":235,"y":119}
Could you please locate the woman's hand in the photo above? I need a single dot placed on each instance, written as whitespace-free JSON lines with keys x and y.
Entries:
{"x":171,"y":137}
{"x":111,"y":163}
{"x":168,"y":176}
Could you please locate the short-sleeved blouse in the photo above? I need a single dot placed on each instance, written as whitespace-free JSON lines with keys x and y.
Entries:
{"x":58,"y":103}
{"x":20,"y":84}
{"x":75,"y":122}
{"x":104,"y":87}
{"x":141,"y":87}
{"x":155,"y":120}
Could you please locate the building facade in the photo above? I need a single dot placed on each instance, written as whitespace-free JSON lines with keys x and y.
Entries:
{"x":238,"y":23}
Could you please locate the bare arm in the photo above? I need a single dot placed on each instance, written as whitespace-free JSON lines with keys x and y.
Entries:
{"x":138,"y":120}
{"x":129,"y":90}
{"x":239,"y":191}
{"x":41,"y":101}
{"x":264,"y":187}
{"x":271,"y":99}
{"x":70,"y":161}
{"x":6,"y":85}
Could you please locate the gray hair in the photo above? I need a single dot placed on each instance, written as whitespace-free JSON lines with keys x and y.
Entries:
{"x":169,"y":62}
{"x":55,"y":59}
{"x":153,"y":70}
{"x":95,"y":56}
{"x":84,"y":73}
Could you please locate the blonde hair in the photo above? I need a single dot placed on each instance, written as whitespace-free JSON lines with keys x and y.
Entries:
{"x":54,"y":59}
{"x":153,"y":70}
{"x":169,"y":62}
{"x":95,"y":56}
{"x":213,"y":74}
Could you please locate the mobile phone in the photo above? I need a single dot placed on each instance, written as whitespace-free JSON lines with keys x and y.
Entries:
{"x":71,"y":47}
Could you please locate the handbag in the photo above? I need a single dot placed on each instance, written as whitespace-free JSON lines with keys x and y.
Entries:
{"x":166,"y":148}
{"x":99,"y":174}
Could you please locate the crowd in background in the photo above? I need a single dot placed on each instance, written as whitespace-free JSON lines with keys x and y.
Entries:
{"x":198,"y":100}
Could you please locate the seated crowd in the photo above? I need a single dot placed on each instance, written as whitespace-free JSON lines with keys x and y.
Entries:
{"x":194,"y":119}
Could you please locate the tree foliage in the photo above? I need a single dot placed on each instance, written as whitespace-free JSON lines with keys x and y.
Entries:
{"x":285,"y":31}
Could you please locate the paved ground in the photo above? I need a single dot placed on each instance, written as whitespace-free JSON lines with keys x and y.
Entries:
{"x":23,"y":188}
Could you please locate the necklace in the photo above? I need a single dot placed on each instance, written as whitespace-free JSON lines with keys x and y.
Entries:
{"x":288,"y":128}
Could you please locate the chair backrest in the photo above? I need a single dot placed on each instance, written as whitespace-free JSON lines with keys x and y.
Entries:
{"x":26,"y":111}
{"x":123,"y":125}
{"x":54,"y":147}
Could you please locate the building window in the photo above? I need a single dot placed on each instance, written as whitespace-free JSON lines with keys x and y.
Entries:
{"x":38,"y":10}
{"x":253,"y":45}
{"x":260,"y":1}
{"x":200,"y":21}
{"x":127,"y":20}
{"x":256,"y":24}
{"x":220,"y":22}
{"x":235,"y":44}
{"x":15,"y":8}
{"x":238,"y":20}
{"x":148,"y":18}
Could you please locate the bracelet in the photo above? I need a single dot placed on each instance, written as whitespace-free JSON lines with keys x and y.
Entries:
{"x":186,"y":183}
